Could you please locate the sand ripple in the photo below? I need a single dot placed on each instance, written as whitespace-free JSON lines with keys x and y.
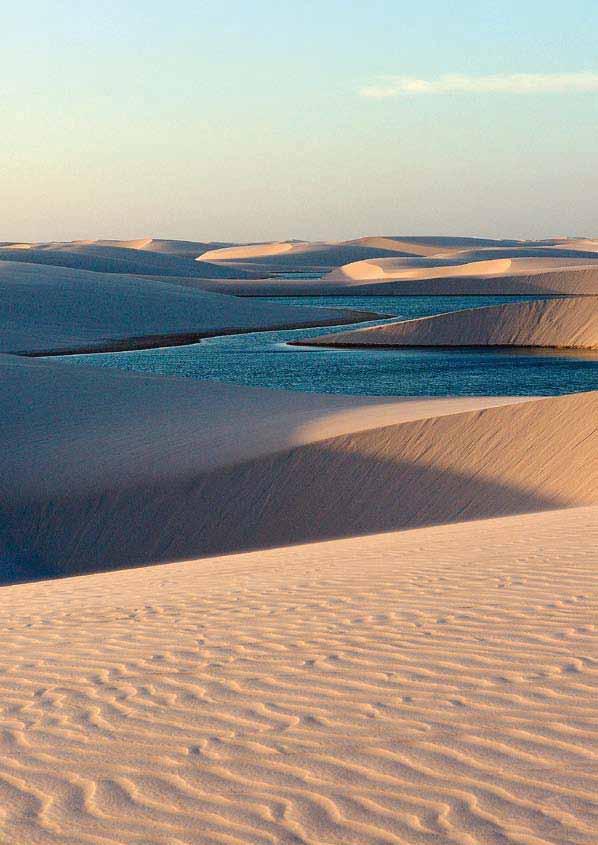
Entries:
{"x":433,"y":686}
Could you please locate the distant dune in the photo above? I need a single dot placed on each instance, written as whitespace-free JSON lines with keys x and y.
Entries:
{"x":118,"y":259}
{"x":45,"y":308}
{"x":470,"y":265}
{"x":562,"y":323}
{"x":247,"y":252}
{"x":109,"y":469}
{"x":303,"y":256}
{"x":470,"y":274}
{"x":384,"y":265}
{"x":454,"y":246}
{"x":295,"y":257}
{"x":414,"y":266}
{"x":182,"y":249}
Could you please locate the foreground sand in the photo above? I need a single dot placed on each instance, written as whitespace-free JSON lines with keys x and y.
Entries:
{"x":433,"y":686}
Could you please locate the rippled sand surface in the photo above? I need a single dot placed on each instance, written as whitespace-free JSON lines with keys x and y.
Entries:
{"x":430,"y":686}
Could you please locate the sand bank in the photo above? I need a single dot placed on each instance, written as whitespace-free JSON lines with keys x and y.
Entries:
{"x":56,"y":309}
{"x":560,"y":323}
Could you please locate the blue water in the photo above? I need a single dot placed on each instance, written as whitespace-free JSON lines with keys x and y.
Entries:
{"x":264,"y":359}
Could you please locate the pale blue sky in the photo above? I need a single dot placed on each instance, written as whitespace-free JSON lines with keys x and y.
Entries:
{"x":248,"y":120}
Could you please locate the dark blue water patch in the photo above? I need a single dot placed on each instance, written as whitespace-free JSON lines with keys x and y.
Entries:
{"x":298,"y":276}
{"x":264,"y":359}
{"x":407,"y":307}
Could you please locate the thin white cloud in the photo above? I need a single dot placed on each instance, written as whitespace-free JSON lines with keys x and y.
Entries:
{"x":513,"y":83}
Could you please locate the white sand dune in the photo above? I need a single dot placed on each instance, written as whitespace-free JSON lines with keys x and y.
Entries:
{"x":548,"y":253}
{"x":108,"y":469}
{"x":409,"y":268}
{"x":428,"y":246}
{"x":469,"y":265}
{"x":182,"y":249}
{"x":366,"y":262}
{"x":417,"y":277}
{"x":472,"y":274}
{"x":297,"y":256}
{"x":428,"y":687}
{"x":240,"y":252}
{"x":289,"y":256}
{"x":479,"y":272}
{"x":44,"y":308}
{"x":586,"y":244}
{"x":108,"y":258}
{"x":562,"y":323}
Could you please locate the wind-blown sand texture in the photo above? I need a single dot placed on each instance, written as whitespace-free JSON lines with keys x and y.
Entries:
{"x":562,"y":323}
{"x":421,"y":688}
{"x":57,"y":308}
{"x":108,"y":469}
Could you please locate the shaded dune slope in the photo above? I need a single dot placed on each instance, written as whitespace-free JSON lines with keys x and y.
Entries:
{"x":56,"y":308}
{"x":118,"y":259}
{"x":125,"y":500}
{"x":560,"y":323}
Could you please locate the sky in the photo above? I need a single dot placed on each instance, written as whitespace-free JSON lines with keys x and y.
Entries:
{"x":248,"y":121}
